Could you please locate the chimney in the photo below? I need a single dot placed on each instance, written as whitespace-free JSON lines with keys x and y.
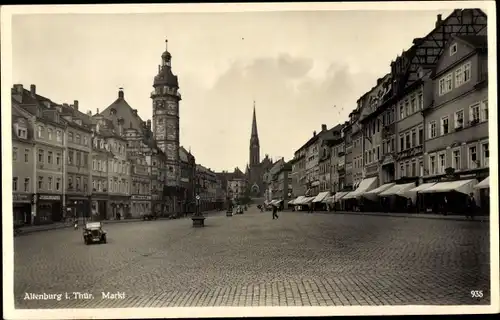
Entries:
{"x":314,"y":133}
{"x":47,"y":104}
{"x":65,"y":105}
{"x":75,"y":104}
{"x":323,"y":127}
{"x":120,"y":93}
{"x":18,"y":88}
{"x":134,"y":111}
{"x":33,"y":90}
{"x":439,"y":20}
{"x":97,"y":112}
{"x":148,"y":124}
{"x":89,"y":113}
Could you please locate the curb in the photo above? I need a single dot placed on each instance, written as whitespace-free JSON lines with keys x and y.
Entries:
{"x":410,"y":215}
{"x":57,"y":227}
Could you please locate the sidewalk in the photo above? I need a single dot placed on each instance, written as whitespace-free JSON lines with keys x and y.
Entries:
{"x":411,"y":215}
{"x":63,"y":225}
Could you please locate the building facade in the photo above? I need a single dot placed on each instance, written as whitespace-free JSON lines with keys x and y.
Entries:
{"x":456,"y":140}
{"x":23,"y":166}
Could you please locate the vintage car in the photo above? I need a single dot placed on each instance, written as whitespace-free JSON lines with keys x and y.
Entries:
{"x":93,"y":232}
{"x":149,"y":216}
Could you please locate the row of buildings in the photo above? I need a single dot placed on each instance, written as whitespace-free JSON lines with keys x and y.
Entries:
{"x":422,"y":129}
{"x":108,"y":165}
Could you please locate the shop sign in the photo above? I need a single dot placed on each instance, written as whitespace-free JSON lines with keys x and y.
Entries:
{"x":16,"y":197}
{"x":49,"y":197}
{"x":139,"y":197}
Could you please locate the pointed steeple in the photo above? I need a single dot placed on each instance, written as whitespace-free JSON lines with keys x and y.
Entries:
{"x":254,"y":123}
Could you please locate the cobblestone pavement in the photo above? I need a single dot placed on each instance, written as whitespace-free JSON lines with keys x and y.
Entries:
{"x":251,"y":260}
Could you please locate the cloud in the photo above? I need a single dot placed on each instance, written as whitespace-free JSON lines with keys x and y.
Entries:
{"x":290,"y":104}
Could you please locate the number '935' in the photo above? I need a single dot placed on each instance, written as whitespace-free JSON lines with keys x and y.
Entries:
{"x":476,"y":293}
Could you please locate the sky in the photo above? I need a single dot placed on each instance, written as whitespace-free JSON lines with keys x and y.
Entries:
{"x":302,"y":68}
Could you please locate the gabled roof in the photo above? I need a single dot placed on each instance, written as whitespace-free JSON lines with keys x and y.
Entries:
{"x":121,"y":109}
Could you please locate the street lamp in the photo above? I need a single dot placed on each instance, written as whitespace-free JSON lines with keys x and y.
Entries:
{"x":198,"y":218}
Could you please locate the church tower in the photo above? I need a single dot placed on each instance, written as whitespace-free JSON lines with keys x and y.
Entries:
{"x":166,"y":99}
{"x":254,"y":143}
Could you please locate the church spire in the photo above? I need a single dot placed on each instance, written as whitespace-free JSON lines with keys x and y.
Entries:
{"x":254,"y":123}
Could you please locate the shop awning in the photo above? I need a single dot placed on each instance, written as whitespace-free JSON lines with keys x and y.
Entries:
{"x":412,"y":193}
{"x":321,"y":196}
{"x":298,"y":200}
{"x":339,"y":195}
{"x":375,"y":193}
{"x":398,"y":189}
{"x":462,"y":186}
{"x":365,"y":185}
{"x":485,"y":184}
{"x":307,"y":200}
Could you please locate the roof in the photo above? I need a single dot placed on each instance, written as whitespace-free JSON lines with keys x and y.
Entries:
{"x":121,"y":109}
{"x":475,"y":41}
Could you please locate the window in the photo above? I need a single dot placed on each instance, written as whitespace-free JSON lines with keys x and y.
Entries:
{"x":414,"y":137}
{"x":445,"y":84}
{"x":444,"y":125}
{"x":40,"y":183}
{"x":402,"y":170}
{"x":407,"y":108}
{"x":432,"y":164}
{"x":413,"y":104}
{"x":459,"y":77}
{"x":459,"y":119}
{"x":77,"y":183}
{"x":453,"y":49}
{"x":26,"y":155}
{"x":94,"y":185}
{"x":456,"y":159}
{"x":420,"y":135}
{"x":413,"y":168}
{"x":85,"y":159}
{"x":378,"y":152}
{"x":70,"y":136}
{"x":58,"y":184}
{"x":22,"y":133}
{"x":14,"y":154}
{"x":70,"y":157}
{"x":14,"y":184}
{"x":58,"y":159}
{"x":472,"y":157}
{"x":393,"y":144}
{"x":408,"y":173}
{"x":49,"y":184}
{"x":40,"y":132}
{"x":85,"y":140}
{"x":486,"y":154}
{"x":484,"y":110}
{"x":26,"y":184}
{"x":77,"y":139}
{"x":474,"y":113}
{"x":407,"y":136}
{"x":401,"y":112}
{"x":432,"y":129}
{"x":49,"y":134}
{"x":94,"y":164}
{"x":78,"y":158}
{"x":70,"y":183}
{"x":40,"y":156}
{"x":466,"y":71}
{"x":49,"y":157}
{"x":441,"y":162}
{"x":421,"y":167}
{"x":58,"y":135}
{"x":401,"y":143}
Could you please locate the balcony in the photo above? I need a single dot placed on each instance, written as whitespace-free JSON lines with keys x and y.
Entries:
{"x":411,"y":152}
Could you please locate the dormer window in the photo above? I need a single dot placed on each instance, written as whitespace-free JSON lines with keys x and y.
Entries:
{"x":22,"y":133}
{"x":453,"y":49}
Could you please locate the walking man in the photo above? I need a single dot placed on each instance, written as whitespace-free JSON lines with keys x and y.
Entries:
{"x":471,"y":206}
{"x":275,"y":212}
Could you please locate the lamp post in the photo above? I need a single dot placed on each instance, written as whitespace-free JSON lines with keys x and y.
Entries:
{"x":198,"y":218}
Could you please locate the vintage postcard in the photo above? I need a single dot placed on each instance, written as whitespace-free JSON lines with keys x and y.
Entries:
{"x":230,"y":160}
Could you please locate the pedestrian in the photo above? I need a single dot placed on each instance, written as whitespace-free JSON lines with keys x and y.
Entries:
{"x":445,"y":206}
{"x":471,"y":206}
{"x":275,"y":212}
